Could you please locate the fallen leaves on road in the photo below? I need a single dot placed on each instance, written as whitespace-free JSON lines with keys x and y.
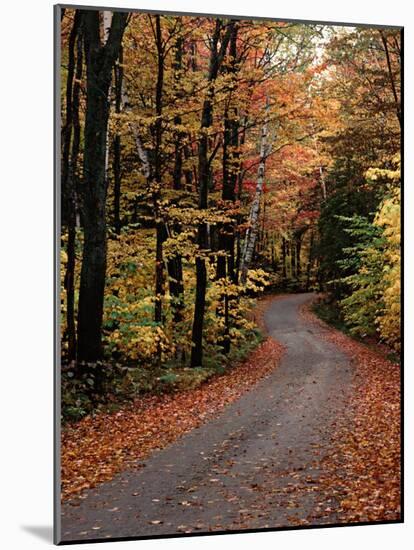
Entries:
{"x":363,"y":468}
{"x":96,"y":448}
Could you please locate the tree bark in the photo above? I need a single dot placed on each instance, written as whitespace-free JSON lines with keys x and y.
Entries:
{"x":226,"y":238}
{"x":73,"y":185}
{"x":284,"y":274}
{"x":178,"y":153}
{"x":216,"y":59}
{"x":175,"y":264}
{"x":251,"y":233}
{"x":118,"y":76}
{"x":293,"y":259}
{"x":157,"y":131}
{"x":310,"y":261}
{"x":68,"y":177}
{"x":68,"y":127}
{"x":99,"y":62}
{"x":392,"y":79}
{"x":239,"y":186}
{"x":298,"y":259}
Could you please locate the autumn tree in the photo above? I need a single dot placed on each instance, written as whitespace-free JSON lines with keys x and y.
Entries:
{"x":365,"y":80}
{"x":100,"y":58}
{"x":218,"y":51}
{"x":205,"y":159}
{"x":70,"y":153}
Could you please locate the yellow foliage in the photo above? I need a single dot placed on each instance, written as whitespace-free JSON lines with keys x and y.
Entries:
{"x":141,"y":343}
{"x":388,"y":320}
{"x":389,"y":175}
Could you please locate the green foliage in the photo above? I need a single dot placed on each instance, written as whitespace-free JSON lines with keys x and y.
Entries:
{"x":361,"y":307}
{"x":389,"y":320}
{"x":329,"y":312}
{"x":351,"y":199}
{"x":373,"y":303}
{"x":96,"y":386}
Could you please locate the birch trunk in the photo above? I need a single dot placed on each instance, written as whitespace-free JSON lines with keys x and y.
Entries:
{"x":251,"y":233}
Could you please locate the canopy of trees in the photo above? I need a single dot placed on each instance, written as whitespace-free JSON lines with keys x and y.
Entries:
{"x":205,"y":160}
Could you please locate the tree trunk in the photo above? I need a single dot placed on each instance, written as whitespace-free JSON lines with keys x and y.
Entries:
{"x":68,"y":127}
{"x":72,"y":213}
{"x":118,"y":76}
{"x":293,"y":259}
{"x":239,"y":187}
{"x":392,"y":79}
{"x":216,"y":59}
{"x":310,"y":261}
{"x":175,"y":264}
{"x":99,"y":62}
{"x":251,"y":233}
{"x":68,"y":177}
{"x":159,"y":272}
{"x":226,"y":261}
{"x":178,"y":153}
{"x":188,"y":174}
{"x":157,"y":132}
{"x":176,"y":287}
{"x":284,"y":274}
{"x":298,"y":250}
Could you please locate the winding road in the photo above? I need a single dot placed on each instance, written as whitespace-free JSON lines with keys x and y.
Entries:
{"x":254,"y":466}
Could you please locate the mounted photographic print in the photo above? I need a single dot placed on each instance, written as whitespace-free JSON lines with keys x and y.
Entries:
{"x":227,"y":274}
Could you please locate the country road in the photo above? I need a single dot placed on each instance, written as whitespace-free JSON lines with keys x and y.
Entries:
{"x":254,"y":466}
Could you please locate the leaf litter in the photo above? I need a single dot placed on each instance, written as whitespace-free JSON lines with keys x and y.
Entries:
{"x":99,"y":446}
{"x":363,"y":469}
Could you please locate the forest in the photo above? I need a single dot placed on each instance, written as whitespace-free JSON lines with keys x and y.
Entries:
{"x":207,"y":162}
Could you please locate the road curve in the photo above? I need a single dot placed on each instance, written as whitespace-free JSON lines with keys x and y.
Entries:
{"x":240,"y":470}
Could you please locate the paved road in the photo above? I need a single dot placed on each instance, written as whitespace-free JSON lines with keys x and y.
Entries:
{"x":254,"y":466}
